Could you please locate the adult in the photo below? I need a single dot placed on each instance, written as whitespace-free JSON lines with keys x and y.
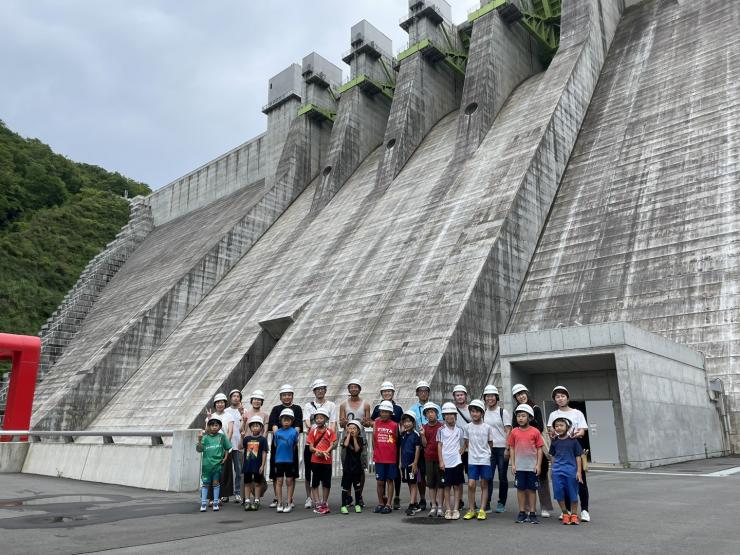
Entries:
{"x":422,"y":395}
{"x":499,"y":419}
{"x":256,"y":400}
{"x":286,"y":393}
{"x":356,"y":408}
{"x":319,"y":388}
{"x":578,"y":430}
{"x":387,"y":391}
{"x":522,"y":397}
{"x":219,"y":412}
{"x":234,"y":431}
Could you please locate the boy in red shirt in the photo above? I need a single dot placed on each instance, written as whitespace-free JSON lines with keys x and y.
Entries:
{"x":526,"y":460}
{"x":385,"y":455}
{"x":321,"y":441}
{"x":431,"y":458}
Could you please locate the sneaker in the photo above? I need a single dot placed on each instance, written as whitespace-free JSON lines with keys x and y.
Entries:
{"x":344,"y":510}
{"x":433,"y":512}
{"x":325,"y":510}
{"x":280,"y":508}
{"x":361,"y":502}
{"x":500,"y":508}
{"x":562,"y":515}
{"x":410,"y":511}
{"x":273,"y":504}
{"x":317,"y":508}
{"x":396,"y":503}
{"x":455,"y":515}
{"x":521,"y":517}
{"x":256,"y":505}
{"x":423,"y":505}
{"x":440,"y":512}
{"x":358,"y":508}
{"x":566,"y":518}
{"x":386,"y":510}
{"x":482,"y":515}
{"x":573,"y":519}
{"x":416,"y":508}
{"x":544,"y":513}
{"x":585,"y":517}
{"x":448,"y":514}
{"x":533,"y":518}
{"x":308,"y":504}
{"x":287,"y":508}
{"x":291,"y":505}
{"x":203,"y":507}
{"x":470,"y":515}
{"x":216,"y":506}
{"x":237,"y":499}
{"x":247,"y":507}
{"x":378,"y":509}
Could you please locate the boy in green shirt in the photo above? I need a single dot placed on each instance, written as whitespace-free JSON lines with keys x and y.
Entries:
{"x":215,"y":447}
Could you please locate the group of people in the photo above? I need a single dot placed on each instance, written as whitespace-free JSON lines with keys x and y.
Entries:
{"x":430,"y":448}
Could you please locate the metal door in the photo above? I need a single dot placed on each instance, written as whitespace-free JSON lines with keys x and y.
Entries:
{"x":602,"y":432}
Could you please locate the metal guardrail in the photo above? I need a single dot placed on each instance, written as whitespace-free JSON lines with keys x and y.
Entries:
{"x":107,"y":435}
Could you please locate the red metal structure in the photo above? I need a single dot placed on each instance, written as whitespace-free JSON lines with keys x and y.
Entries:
{"x":24,"y":352}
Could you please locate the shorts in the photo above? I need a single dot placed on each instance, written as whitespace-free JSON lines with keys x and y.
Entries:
{"x":479,"y":472}
{"x":408,"y":476}
{"x":385,"y":471}
{"x":285,"y":470}
{"x":564,"y":486}
{"x":295,"y":473}
{"x":214,"y":477}
{"x":320,"y":475}
{"x":526,"y":480}
{"x":253,"y":478}
{"x":453,"y":476}
{"x":433,"y":476}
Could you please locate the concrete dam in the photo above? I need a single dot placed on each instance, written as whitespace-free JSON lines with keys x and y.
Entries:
{"x":541,"y":168}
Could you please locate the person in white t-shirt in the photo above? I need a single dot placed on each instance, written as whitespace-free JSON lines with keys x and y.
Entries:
{"x":309,"y":413}
{"x":449,"y":451}
{"x":561,"y":396}
{"x":499,"y":419}
{"x":234,"y":432}
{"x":478,"y":442}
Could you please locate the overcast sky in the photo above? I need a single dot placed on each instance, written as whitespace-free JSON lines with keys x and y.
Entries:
{"x":155,"y":88}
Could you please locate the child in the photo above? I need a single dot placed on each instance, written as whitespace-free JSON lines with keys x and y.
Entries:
{"x":431,"y":458}
{"x":255,"y":458}
{"x":385,"y":439}
{"x":526,"y":460}
{"x":215,"y":447}
{"x":411,"y":445}
{"x":353,"y":449}
{"x":449,"y":453}
{"x":286,"y":439}
{"x":478,"y":443}
{"x":320,"y":441}
{"x":566,"y":468}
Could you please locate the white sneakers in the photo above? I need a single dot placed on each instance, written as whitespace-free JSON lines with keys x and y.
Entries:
{"x":273,"y":504}
{"x":585,"y":517}
{"x":546,"y":514}
{"x":308,"y":504}
{"x":280,"y":508}
{"x":288,"y":508}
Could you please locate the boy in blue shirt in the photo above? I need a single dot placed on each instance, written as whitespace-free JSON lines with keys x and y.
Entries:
{"x":286,"y":439}
{"x":411,"y":444}
{"x":566,"y":468}
{"x":255,"y":458}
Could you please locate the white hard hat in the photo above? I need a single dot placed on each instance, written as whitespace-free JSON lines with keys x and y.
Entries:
{"x":286,"y":388}
{"x":410,"y":414}
{"x":518,"y":388}
{"x":317,"y":384}
{"x":219,"y":397}
{"x":490,"y":390}
{"x":356,"y":423}
{"x":287,"y":412}
{"x":387,"y":386}
{"x":322,"y":411}
{"x":422,"y":383}
{"x":449,"y":408}
{"x":255,"y":420}
{"x":459,"y":388}
{"x":354,"y":381}
{"x":562,"y":389}
{"x":477,"y":403}
{"x":235,"y":391}
{"x":568,"y":422}
{"x":428,"y":406}
{"x":257,"y":394}
{"x":525,"y":408}
{"x":385,"y":405}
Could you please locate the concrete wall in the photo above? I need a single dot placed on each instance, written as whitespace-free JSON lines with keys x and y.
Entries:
{"x":12,"y":456}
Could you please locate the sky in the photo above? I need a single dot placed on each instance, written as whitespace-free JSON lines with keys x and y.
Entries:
{"x":155,"y":88}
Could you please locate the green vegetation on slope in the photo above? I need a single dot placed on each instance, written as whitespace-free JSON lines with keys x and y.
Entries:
{"x":55,"y":215}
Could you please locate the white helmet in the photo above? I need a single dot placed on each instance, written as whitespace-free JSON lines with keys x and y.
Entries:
{"x":490,"y":390}
{"x":422,"y":383}
{"x":255,"y":420}
{"x":287,"y":412}
{"x":428,"y":406}
{"x":477,"y":403}
{"x":385,"y":405}
{"x":354,"y":381}
{"x":322,"y":411}
{"x":387,"y":386}
{"x":317,"y":384}
{"x":356,"y":423}
{"x":561,"y":389}
{"x":257,"y":394}
{"x":235,"y":391}
{"x":518,"y":388}
{"x":286,"y":388}
{"x":410,"y":414}
{"x":525,"y":408}
{"x":219,"y":397}
{"x":449,"y":408}
{"x":459,"y":388}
